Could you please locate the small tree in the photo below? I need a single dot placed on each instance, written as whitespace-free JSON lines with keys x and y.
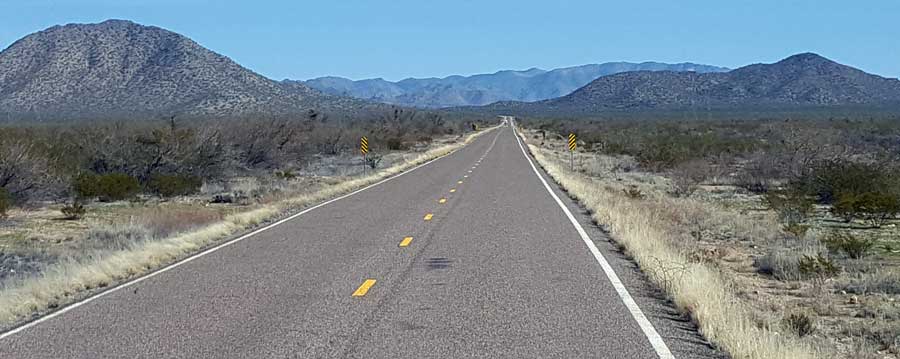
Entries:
{"x":876,"y":208}
{"x":5,"y":202}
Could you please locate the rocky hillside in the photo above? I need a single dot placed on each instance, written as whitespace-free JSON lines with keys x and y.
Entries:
{"x":119,"y":69}
{"x":804,"y":80}
{"x":529,"y":85}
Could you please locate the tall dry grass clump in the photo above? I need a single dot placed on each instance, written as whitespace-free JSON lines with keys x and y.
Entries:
{"x":648,"y":229}
{"x":138,"y":252}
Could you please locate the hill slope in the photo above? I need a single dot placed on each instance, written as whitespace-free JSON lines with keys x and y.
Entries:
{"x":803,"y":80}
{"x":124,"y":70}
{"x":529,"y":85}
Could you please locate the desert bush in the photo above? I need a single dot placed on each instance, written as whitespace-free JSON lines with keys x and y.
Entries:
{"x":175,"y":185}
{"x":880,"y":281}
{"x":831,"y":179}
{"x":373,"y":160}
{"x":818,"y":266}
{"x":850,"y":245}
{"x":800,"y":324}
{"x":285,"y":175}
{"x":759,"y":173}
{"x":792,"y":205}
{"x":876,"y":208}
{"x":634,"y":192}
{"x":396,"y":144}
{"x":73,"y":211}
{"x":108,"y":187}
{"x":687,"y":177}
{"x":5,"y":202}
{"x":114,"y":237}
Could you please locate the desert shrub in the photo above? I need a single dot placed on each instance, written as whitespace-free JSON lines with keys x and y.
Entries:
{"x":876,"y":208}
{"x":285,"y":175}
{"x":396,"y":144}
{"x":373,"y":161}
{"x":831,"y":179}
{"x":781,"y":264}
{"x":73,"y":211}
{"x":107,"y":187}
{"x":687,"y":177}
{"x":800,"y":324}
{"x":818,"y":266}
{"x":115,"y":237}
{"x":852,"y":246}
{"x":795,"y":229}
{"x":5,"y":202}
{"x":792,"y":205}
{"x":634,"y":192}
{"x":759,"y":173}
{"x":175,"y":185}
{"x":886,"y":282}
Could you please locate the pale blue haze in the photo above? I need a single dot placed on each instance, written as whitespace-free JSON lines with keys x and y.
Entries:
{"x":396,"y":39}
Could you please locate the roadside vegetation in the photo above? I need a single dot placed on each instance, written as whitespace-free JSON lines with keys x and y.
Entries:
{"x":779,"y":238}
{"x":86,"y":205}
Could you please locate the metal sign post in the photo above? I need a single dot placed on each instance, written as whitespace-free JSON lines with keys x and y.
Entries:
{"x":364,"y":148}
{"x":572,"y":146}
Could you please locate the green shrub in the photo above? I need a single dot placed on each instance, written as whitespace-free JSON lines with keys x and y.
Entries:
{"x":286,"y":175}
{"x":5,"y":202}
{"x":175,"y":185}
{"x":817,"y":266}
{"x":74,"y":211}
{"x":876,"y":208}
{"x":107,"y":187}
{"x":792,"y":204}
{"x":801,"y":324}
{"x":853,"y":246}
{"x":831,"y":179}
{"x":397,"y":144}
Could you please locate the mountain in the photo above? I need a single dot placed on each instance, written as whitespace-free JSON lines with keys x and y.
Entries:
{"x":529,"y":85}
{"x":803,"y":80}
{"x":119,"y":69}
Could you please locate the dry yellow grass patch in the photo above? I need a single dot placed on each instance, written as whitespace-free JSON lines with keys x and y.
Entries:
{"x":65,"y":282}
{"x":643,"y":227}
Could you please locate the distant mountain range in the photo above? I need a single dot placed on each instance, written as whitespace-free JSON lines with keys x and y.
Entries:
{"x":803,"y":80}
{"x":529,"y":85}
{"x":119,"y":69}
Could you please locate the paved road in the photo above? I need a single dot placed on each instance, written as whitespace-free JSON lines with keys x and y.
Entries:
{"x":499,"y":271}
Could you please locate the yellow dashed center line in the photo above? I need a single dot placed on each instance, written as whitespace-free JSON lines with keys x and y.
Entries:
{"x":364,"y":288}
{"x":442,"y":200}
{"x":452,"y":190}
{"x":466,"y":176}
{"x":459,"y":182}
{"x":405,"y":242}
{"x":428,"y":216}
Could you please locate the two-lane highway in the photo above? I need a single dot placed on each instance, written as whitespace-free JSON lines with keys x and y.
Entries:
{"x":468,"y":256}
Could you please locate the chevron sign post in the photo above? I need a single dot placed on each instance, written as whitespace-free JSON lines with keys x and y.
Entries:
{"x":572,"y":145}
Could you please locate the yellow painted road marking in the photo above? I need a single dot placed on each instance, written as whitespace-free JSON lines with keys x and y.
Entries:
{"x":452,"y":190}
{"x":442,"y":200}
{"x":470,"y":171}
{"x":466,"y":176}
{"x":364,"y":288}
{"x":428,"y":216}
{"x":405,"y":241}
{"x":459,"y":182}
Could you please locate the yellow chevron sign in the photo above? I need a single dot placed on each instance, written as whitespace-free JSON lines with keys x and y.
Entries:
{"x":364,"y":145}
{"x":572,"y":144}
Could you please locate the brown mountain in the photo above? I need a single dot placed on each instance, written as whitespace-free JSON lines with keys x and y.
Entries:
{"x":804,"y":80}
{"x":119,"y":69}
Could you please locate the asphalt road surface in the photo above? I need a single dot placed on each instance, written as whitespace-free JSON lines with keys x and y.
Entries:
{"x":495,"y":270}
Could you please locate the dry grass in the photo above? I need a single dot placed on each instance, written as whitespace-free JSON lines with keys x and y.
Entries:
{"x":657,"y":231}
{"x":160,"y":238}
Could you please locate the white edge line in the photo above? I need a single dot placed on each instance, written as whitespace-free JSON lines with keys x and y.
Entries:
{"x":190,"y":258}
{"x":649,"y":331}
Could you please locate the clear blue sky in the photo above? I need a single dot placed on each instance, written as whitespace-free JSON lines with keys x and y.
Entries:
{"x":396,"y":39}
